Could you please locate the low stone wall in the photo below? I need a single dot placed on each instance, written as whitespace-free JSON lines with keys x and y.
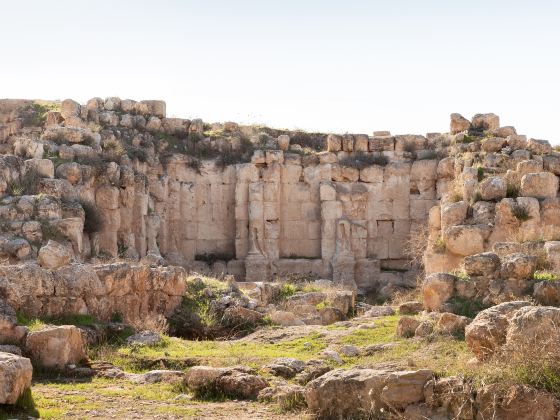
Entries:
{"x":133,"y":291}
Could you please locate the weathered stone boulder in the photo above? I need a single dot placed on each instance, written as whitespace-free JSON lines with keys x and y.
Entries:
{"x":547,"y":293}
{"x":56,"y":347}
{"x":453,"y":213}
{"x":518,"y":402}
{"x":487,"y":332}
{"x":71,"y":171}
{"x":465,"y":239}
{"x":236,"y":382}
{"x":405,"y":388}
{"x":10,"y":332}
{"x":437,"y":289}
{"x":285,"y":318}
{"x":505,"y":131}
{"x":449,"y":323}
{"x":54,"y":255}
{"x":484,"y":264}
{"x":363,"y":393}
{"x":539,"y":147}
{"x":539,"y":185}
{"x":453,"y":397}
{"x":238,"y":315}
{"x":410,"y":308}
{"x":69,"y":109}
{"x":286,"y":396}
{"x":492,"y":188}
{"x":518,"y":266}
{"x":458,"y":123}
{"x":486,"y":122}
{"x":533,"y":331}
{"x":407,"y":326}
{"x":15,"y":377}
{"x":493,"y":144}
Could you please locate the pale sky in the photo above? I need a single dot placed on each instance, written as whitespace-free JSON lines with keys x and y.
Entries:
{"x":328,"y":65}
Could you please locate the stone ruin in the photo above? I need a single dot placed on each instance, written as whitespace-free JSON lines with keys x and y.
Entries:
{"x":343,"y":213}
{"x":258,"y":203}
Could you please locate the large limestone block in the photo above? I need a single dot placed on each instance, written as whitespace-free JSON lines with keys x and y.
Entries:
{"x":15,"y":377}
{"x":485,"y":264}
{"x":534,"y":329}
{"x":539,"y":147}
{"x":373,"y":174}
{"x":437,"y":289}
{"x":487,"y":122}
{"x":346,"y":393}
{"x":517,"y":402}
{"x":493,"y":144}
{"x":539,"y":185}
{"x":56,"y":347}
{"x":70,"y":171}
{"x":465,"y":239}
{"x":518,"y":266}
{"x":446,"y":167}
{"x":453,"y":213}
{"x":334,"y":143}
{"x":492,"y":188}
{"x":424,"y":170}
{"x":487,"y":333}
{"x":405,"y":388}
{"x":69,"y":109}
{"x":43,"y":167}
{"x":54,"y":255}
{"x":458,"y":123}
{"x":107,"y":197}
{"x":154,"y":107}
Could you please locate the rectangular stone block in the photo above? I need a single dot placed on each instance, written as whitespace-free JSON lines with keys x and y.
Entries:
{"x":271,"y":211}
{"x":327,"y":192}
{"x":272,"y":230}
{"x":401,"y":228}
{"x":291,"y":174}
{"x":256,"y":190}
{"x":256,"y":211}
{"x":271,"y":191}
{"x":271,"y":173}
{"x":378,"y":248}
{"x":242,"y":212}
{"x":385,"y":228}
{"x":291,"y":211}
{"x":311,"y":211}
{"x":331,"y":210}
{"x":295,"y":230}
{"x":314,"y":230}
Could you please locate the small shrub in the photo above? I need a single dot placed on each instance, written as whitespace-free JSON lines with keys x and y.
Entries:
{"x":461,"y":275}
{"x":93,"y":221}
{"x":430,"y":155}
{"x":409,"y":147}
{"x":117,"y":317}
{"x":439,"y":245}
{"x":521,"y":212}
{"x":136,"y":153}
{"x":287,"y":290}
{"x":480,"y":173}
{"x":512,"y":191}
{"x":362,"y":160}
{"x":315,"y":141}
{"x":28,"y":184}
{"x":545,"y":275}
{"x":51,"y":232}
